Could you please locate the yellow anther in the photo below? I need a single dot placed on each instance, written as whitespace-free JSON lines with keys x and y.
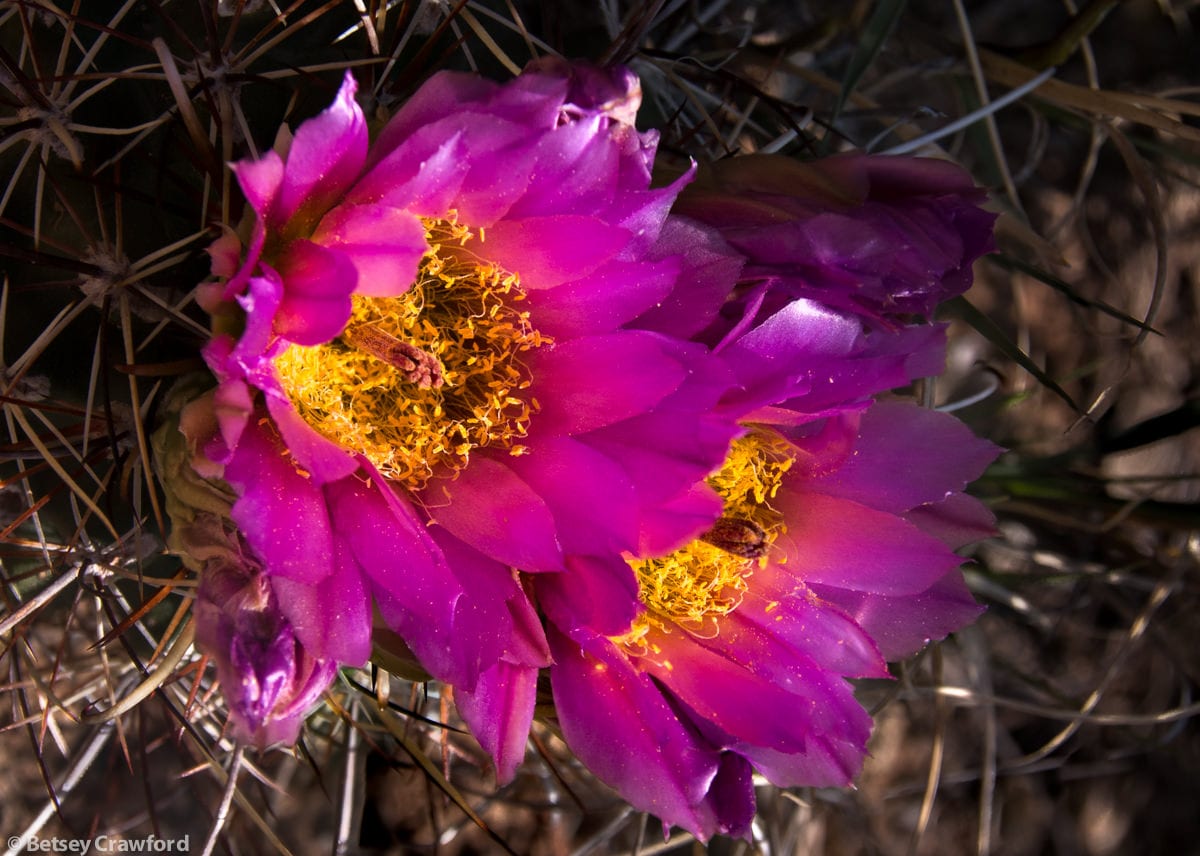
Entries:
{"x":442,"y":360}
{"x":696,"y":585}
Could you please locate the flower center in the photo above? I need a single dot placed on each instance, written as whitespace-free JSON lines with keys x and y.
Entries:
{"x":416,"y":382}
{"x":697,"y":584}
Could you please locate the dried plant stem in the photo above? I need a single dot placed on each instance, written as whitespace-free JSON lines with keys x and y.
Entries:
{"x":166,"y":668}
{"x":231,"y":783}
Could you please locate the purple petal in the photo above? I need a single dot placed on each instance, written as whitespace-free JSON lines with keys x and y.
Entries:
{"x":662,"y":460}
{"x":429,"y":104}
{"x":323,"y":460}
{"x":618,"y":723}
{"x":331,"y":618}
{"x":260,"y":302}
{"x":500,"y":154}
{"x":527,"y":645}
{"x":233,"y":404}
{"x":493,"y":619}
{"x":260,"y":181}
{"x":903,"y":625}
{"x":957,"y":521}
{"x":548,"y":251}
{"x":612,"y":91}
{"x":499,"y":712}
{"x":593,"y":382}
{"x":886,"y":359}
{"x":281,"y":512}
{"x":317,"y":285}
{"x":641,"y":212}
{"x":606,"y":299}
{"x":474,"y":163}
{"x":729,"y":806}
{"x":326,"y":155}
{"x":416,"y":592}
{"x":534,"y":100}
{"x":780,"y":358}
{"x":669,"y":525}
{"x":592,"y":500}
{"x":779,"y":711}
{"x":841,"y":543}
{"x":710,"y":272}
{"x":385,"y":245}
{"x":825,"y":762}
{"x":574,"y":171}
{"x":770,"y":627}
{"x":310,"y":681}
{"x":879,"y":237}
{"x":423,"y":177}
{"x":905,"y":456}
{"x":597,"y":594}
{"x":490,"y":508}
{"x":268,"y":678}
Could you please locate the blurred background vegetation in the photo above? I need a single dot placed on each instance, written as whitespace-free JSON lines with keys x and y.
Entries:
{"x":1062,"y":722}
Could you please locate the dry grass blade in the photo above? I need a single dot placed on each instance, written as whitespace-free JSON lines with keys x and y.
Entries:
{"x":1153,"y":207}
{"x":397,"y":729}
{"x":1097,"y":103}
{"x":962,"y":308}
{"x":936,"y":759}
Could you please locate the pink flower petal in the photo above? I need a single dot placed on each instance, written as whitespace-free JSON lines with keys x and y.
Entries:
{"x":597,"y":594}
{"x":776,"y":705}
{"x":729,"y":806}
{"x":905,"y":456}
{"x":326,"y":155}
{"x":825,"y":762}
{"x":618,"y":723}
{"x":669,"y":525}
{"x":331,"y":618}
{"x":600,"y":380}
{"x":593,"y":501}
{"x":428,"y":105}
{"x":574,"y":171}
{"x":384,"y":244}
{"x":603,"y":300}
{"x":493,"y":619}
{"x":280,"y":511}
{"x":321,"y":458}
{"x":317,"y":285}
{"x":903,"y":625}
{"x":957,"y":520}
{"x":548,"y":251}
{"x":260,"y":181}
{"x":490,"y":508}
{"x":423,"y":180}
{"x":709,"y":266}
{"x":772,"y":627}
{"x":500,"y":712}
{"x":841,"y":543}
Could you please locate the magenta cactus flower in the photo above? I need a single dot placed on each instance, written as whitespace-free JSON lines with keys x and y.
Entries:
{"x":833,"y":551}
{"x":477,"y":374}
{"x":428,"y":374}
{"x":882,"y":237}
{"x":833,"y":555}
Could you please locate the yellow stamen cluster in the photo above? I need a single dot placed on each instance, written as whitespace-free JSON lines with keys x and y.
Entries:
{"x":698,"y":584}
{"x":451,"y":380}
{"x":751,"y":476}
